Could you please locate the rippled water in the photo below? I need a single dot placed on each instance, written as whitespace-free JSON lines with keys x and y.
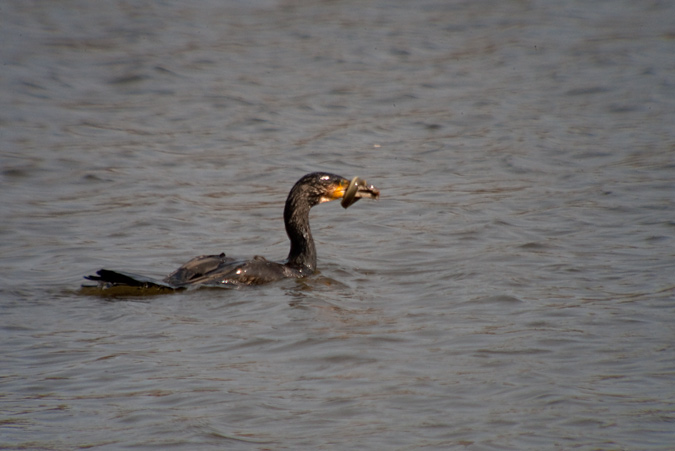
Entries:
{"x":513,"y":288}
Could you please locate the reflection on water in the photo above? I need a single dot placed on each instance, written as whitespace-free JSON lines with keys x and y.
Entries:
{"x":512,"y":288}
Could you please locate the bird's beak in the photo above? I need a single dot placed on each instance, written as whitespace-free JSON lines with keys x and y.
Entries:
{"x":338,"y":191}
{"x":357,"y":189}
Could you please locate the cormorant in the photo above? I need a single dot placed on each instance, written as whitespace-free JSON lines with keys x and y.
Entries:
{"x":223,"y":271}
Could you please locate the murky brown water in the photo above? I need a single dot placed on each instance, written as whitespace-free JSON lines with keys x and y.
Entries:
{"x":513,"y":289}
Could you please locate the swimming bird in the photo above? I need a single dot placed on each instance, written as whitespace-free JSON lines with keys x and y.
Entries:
{"x":223,"y":271}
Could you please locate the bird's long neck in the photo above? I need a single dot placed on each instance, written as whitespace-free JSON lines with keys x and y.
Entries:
{"x":296,"y":218}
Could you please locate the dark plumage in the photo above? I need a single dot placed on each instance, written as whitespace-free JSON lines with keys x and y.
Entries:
{"x":220,"y":270}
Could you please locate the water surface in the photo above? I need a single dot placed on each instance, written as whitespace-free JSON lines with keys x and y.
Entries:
{"x":513,"y":288}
